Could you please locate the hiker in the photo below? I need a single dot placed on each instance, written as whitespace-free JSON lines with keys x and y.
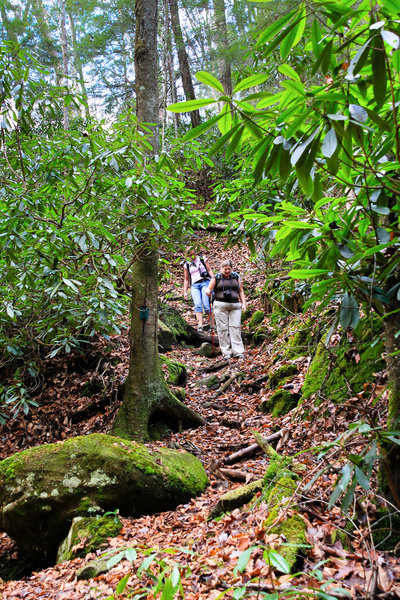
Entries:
{"x":228,"y":305}
{"x":197,"y":274}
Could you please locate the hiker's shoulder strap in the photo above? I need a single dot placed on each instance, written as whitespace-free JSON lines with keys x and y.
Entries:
{"x":234,"y":275}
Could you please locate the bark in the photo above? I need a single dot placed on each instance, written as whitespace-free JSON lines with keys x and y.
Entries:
{"x":224,"y":61}
{"x":78,"y":62}
{"x":184,"y":68}
{"x":64,"y":48}
{"x":392,"y":453}
{"x":148,"y":407}
{"x":41,"y":17}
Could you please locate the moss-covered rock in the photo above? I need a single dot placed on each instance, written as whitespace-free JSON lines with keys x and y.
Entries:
{"x":279,"y":403}
{"x":302,"y":339}
{"x":175,"y":372}
{"x":281,"y":375}
{"x":42,"y":489}
{"x":94,"y":568}
{"x":207,"y":350}
{"x":87,"y":534}
{"x":353,"y":361}
{"x":211,"y":382}
{"x":256,"y":319}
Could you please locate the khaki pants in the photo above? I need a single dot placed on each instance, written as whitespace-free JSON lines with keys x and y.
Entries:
{"x":227,"y":319}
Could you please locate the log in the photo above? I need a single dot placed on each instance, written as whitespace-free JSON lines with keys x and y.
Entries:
{"x":234,"y":474}
{"x":250,"y":450}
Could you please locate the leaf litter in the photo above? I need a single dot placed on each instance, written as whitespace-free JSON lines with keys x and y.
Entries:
{"x":205,"y":551}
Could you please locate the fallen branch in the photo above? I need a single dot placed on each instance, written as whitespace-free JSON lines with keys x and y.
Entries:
{"x":231,"y":379}
{"x":234,"y":474}
{"x":250,"y":450}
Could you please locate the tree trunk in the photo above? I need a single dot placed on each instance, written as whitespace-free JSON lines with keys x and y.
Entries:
{"x":224,"y":60}
{"x":186,"y":76}
{"x":78,"y":62}
{"x":148,"y":407}
{"x":41,"y":17}
{"x":391,"y":470}
{"x":64,"y":48}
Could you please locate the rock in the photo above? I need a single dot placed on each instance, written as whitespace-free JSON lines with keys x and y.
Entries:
{"x":280,"y":403}
{"x":86,"y":535}
{"x":93,"y":569}
{"x":206,"y":349}
{"x":211,"y":382}
{"x":256,"y":319}
{"x":42,"y":489}
{"x":175,"y":372}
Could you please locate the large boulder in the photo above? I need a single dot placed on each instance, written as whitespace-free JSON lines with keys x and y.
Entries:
{"x":42,"y":489}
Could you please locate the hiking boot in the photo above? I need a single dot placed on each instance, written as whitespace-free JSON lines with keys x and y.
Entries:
{"x":200,"y":329}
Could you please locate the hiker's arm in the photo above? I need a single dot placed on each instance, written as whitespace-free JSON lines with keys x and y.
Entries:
{"x":242,"y":296}
{"x":186,"y":282}
{"x":210,"y":287}
{"x":209,"y":269}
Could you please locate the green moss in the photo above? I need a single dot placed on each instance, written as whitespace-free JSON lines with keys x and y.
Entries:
{"x":256,"y":319}
{"x":291,"y":529}
{"x":279,"y":466}
{"x":281,"y":375}
{"x":341,"y":536}
{"x":175,"y":372}
{"x":280,"y":403}
{"x":300,"y":342}
{"x":352,"y":361}
{"x":87,"y":535}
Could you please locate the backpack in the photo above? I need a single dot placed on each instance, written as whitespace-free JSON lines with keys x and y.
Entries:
{"x":203,"y":262}
{"x":218,"y":276}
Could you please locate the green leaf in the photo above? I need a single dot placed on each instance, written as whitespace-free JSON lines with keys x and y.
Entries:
{"x":329,"y":144}
{"x":390,"y":38}
{"x":114,"y":560}
{"x":122,"y":584}
{"x":277,"y":560}
{"x":294,"y":86}
{"x":243,"y":560}
{"x":289,"y":72}
{"x":349,"y":312}
{"x":299,"y":150}
{"x":210,"y":80}
{"x":324,"y":59}
{"x":131,"y":554}
{"x":316,"y":38}
{"x":181,"y":107}
{"x":306,"y":273}
{"x":222,"y":140}
{"x":360,"y":58}
{"x":225,"y":123}
{"x":379,"y":76}
{"x":196,"y":131}
{"x":249,"y":82}
{"x":235,"y":143}
{"x":392,"y":6}
{"x":384,"y":125}
{"x":361,"y":478}
{"x":270,"y":32}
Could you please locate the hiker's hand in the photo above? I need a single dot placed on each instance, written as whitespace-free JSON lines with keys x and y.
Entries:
{"x":185,"y":295}
{"x":208,"y":292}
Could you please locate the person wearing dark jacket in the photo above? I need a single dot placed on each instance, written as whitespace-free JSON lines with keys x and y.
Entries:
{"x":229,"y":301}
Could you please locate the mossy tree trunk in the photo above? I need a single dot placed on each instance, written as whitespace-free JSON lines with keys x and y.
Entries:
{"x":147,"y":404}
{"x":392,"y":453}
